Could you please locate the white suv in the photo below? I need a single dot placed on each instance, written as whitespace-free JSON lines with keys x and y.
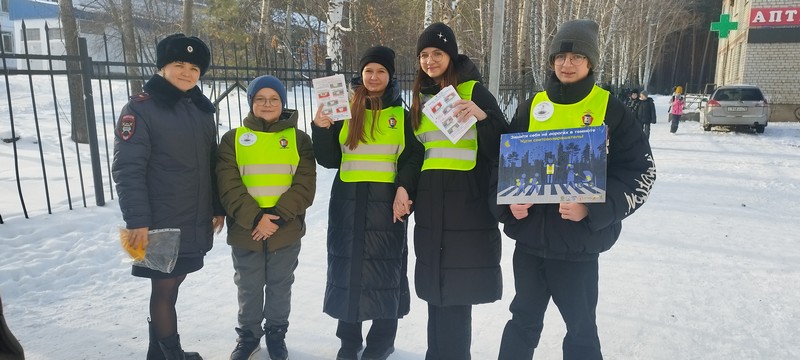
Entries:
{"x":736,"y":105}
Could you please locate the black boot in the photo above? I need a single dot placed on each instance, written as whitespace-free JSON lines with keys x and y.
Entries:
{"x":275,"y":342}
{"x":171,"y":347}
{"x":153,"y":349}
{"x":246,"y":345}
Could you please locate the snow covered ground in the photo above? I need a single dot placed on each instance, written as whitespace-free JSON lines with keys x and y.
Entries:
{"x":708,"y":269}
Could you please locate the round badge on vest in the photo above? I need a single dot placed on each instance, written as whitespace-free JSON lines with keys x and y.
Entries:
{"x":543,"y":111}
{"x":587,"y":119}
{"x":247,"y":139}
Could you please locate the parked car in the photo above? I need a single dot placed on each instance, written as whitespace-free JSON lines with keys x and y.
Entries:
{"x":738,"y":106}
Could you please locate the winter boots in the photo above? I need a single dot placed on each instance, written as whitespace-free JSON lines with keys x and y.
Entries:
{"x":276,"y":345}
{"x":171,"y":347}
{"x":168,"y":348}
{"x":247,"y":345}
{"x":371,"y":353}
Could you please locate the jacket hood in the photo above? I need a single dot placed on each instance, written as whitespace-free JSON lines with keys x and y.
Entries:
{"x":168,"y":95}
{"x":465,"y":69}
{"x":391,"y":95}
{"x":288,"y":119}
{"x":561,"y":93}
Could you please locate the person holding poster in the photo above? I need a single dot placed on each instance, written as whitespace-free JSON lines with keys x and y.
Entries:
{"x":456,"y":238}
{"x":267,"y":179}
{"x":557,"y":245}
{"x":378,"y":160}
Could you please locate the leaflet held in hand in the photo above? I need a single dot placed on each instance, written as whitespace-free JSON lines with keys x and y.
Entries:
{"x":331,"y":93}
{"x":440,"y":110}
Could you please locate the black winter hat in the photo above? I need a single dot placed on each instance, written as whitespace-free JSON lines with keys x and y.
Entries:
{"x":380,"y":55}
{"x":179,"y":47}
{"x":440,"y":36}
{"x":577,"y":36}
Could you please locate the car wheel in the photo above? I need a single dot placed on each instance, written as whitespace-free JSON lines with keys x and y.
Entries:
{"x":759,"y":129}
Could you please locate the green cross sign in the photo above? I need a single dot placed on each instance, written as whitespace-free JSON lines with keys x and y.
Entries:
{"x":724,"y":26}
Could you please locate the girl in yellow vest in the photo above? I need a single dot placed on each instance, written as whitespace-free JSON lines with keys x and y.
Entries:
{"x":267,"y":179}
{"x":558,"y":245}
{"x":378,"y":162}
{"x":456,"y":238}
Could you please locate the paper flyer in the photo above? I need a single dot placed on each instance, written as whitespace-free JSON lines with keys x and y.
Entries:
{"x":439,"y":109}
{"x":553,"y":166}
{"x":331,"y":93}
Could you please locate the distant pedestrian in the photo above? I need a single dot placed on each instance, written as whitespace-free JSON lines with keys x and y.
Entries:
{"x":633,"y":101}
{"x":646,"y":112}
{"x":675,"y":112}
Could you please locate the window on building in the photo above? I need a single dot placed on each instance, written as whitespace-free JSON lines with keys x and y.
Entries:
{"x":54,"y":34}
{"x":32,"y":35}
{"x":8,"y":42}
{"x":4,"y":5}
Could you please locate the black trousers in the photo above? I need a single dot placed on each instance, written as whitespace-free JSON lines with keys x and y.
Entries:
{"x":381,"y":334}
{"x":449,"y":332}
{"x":573,"y":288}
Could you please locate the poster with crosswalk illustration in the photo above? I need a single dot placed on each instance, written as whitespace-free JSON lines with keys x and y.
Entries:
{"x":553,"y":166}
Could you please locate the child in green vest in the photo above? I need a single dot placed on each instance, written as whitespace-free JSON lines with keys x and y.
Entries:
{"x":266,"y":175}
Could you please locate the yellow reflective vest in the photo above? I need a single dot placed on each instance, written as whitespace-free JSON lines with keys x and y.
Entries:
{"x":546,"y":115}
{"x":440,"y":152}
{"x":376,"y":160}
{"x":267,"y":162}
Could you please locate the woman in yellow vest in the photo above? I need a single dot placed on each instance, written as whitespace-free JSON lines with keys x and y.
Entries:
{"x":378,"y":162}
{"x":267,"y":179}
{"x":558,"y":245}
{"x":456,"y":238}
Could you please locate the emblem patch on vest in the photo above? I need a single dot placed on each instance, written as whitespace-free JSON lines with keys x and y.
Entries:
{"x":392,"y":122}
{"x":543,"y":111}
{"x":587,"y":119}
{"x":284,"y":143}
{"x":247,"y":139}
{"x":126,"y":127}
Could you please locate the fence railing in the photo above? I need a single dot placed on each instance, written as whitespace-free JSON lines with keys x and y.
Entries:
{"x":64,"y":174}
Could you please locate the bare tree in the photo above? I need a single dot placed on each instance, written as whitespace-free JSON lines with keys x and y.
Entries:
{"x":186,"y":24}
{"x":69,"y":26}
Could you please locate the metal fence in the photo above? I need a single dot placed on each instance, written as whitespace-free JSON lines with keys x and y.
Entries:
{"x":38,"y":116}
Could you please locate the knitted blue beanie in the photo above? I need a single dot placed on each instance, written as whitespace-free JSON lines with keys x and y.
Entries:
{"x":266,"y":81}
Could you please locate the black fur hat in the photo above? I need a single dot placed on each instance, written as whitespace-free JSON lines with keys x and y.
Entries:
{"x":179,"y":47}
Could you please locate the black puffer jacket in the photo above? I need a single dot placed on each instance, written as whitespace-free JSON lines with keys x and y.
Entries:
{"x":631,"y":173}
{"x":456,"y":238}
{"x":646,"y":112}
{"x":367,"y":252}
{"x":164,"y":163}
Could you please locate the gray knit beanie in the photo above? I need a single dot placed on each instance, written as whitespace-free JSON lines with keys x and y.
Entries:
{"x":577,"y":36}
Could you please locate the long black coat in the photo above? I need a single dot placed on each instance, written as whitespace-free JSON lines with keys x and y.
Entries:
{"x":456,"y":238}
{"x":164,"y":155}
{"x":367,"y":252}
{"x":631,"y":173}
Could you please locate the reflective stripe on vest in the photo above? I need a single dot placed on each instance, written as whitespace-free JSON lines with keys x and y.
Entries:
{"x":440,"y":152}
{"x":267,"y":162}
{"x":547,"y":115}
{"x":375,"y":160}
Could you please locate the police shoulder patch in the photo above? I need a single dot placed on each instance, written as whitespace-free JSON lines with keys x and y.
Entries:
{"x":126,"y":127}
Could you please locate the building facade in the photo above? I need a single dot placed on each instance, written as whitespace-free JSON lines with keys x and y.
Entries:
{"x":763,"y":52}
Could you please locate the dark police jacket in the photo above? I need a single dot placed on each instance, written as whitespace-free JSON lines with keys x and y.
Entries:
{"x":164,"y":155}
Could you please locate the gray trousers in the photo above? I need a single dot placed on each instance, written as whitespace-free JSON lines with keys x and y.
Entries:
{"x":264,"y":280}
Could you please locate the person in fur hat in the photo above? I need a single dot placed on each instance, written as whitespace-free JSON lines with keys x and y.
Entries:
{"x":558,"y":245}
{"x":164,"y":151}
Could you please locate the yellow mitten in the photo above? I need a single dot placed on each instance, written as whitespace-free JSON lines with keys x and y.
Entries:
{"x":137,"y":253}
